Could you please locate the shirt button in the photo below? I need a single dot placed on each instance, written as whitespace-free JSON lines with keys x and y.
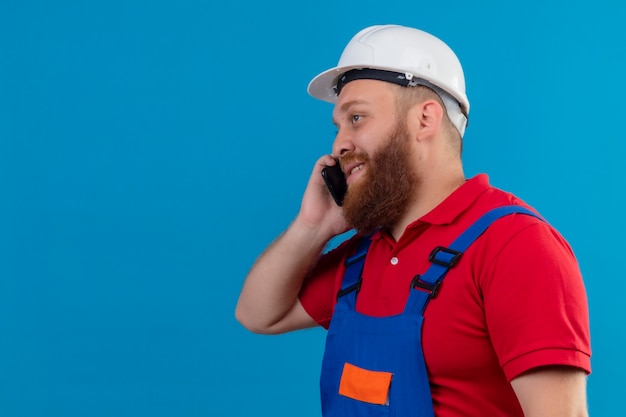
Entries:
{"x":394,"y":261}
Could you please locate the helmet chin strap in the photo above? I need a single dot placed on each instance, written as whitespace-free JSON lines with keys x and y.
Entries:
{"x":453,"y":108}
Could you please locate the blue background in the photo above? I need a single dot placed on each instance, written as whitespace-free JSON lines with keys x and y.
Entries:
{"x":150,"y":150}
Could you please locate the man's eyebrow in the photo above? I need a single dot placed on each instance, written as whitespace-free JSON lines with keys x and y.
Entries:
{"x":345,"y":106}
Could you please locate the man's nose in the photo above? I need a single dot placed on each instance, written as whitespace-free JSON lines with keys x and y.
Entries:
{"x":343,"y":144}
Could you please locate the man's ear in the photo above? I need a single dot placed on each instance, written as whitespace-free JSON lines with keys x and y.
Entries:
{"x":425,"y":119}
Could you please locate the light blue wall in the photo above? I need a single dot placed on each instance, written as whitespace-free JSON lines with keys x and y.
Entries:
{"x":138,"y":142}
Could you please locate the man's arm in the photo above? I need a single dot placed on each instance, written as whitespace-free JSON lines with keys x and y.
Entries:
{"x":555,"y":391}
{"x":269,"y":302}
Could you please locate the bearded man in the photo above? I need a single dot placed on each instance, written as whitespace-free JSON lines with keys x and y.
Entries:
{"x":505,"y":334}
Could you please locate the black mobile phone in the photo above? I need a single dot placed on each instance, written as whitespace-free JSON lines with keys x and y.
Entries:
{"x":336,"y":182}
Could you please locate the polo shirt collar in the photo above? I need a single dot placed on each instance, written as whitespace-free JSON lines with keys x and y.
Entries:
{"x":457,"y":202}
{"x":452,"y":207}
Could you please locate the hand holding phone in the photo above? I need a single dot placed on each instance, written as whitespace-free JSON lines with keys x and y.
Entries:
{"x":335,"y":180}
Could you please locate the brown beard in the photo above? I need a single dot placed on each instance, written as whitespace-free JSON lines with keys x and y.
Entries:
{"x":383,"y":195}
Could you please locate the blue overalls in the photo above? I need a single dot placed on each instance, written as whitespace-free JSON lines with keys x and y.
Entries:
{"x":374,"y":366}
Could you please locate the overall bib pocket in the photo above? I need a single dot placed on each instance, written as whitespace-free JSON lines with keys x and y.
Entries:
{"x":365,"y":385}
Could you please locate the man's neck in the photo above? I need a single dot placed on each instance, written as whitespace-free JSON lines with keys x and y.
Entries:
{"x":429,"y":195}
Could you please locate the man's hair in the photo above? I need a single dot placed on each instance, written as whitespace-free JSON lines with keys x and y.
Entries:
{"x":406,"y":97}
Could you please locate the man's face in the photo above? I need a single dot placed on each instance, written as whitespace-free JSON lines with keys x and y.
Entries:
{"x":374,"y":147}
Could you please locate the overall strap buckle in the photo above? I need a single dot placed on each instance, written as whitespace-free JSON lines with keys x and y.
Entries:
{"x":445,"y":256}
{"x":354,"y":287}
{"x":431,"y":288}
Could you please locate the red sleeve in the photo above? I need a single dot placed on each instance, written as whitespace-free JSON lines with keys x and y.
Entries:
{"x":318,"y":293}
{"x":536,"y":304}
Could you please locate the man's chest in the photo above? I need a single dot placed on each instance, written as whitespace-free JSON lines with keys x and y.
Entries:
{"x":455,"y":336}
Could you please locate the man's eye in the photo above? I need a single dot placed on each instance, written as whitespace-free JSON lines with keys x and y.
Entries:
{"x":356,"y":118}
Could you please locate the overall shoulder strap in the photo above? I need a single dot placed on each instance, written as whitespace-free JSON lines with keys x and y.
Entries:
{"x":444,"y":258}
{"x":352,"y":277}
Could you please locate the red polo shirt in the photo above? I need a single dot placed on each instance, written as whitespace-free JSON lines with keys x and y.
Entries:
{"x":515,"y":300}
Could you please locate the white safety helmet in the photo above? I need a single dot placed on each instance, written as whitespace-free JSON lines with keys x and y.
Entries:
{"x":401,"y":55}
